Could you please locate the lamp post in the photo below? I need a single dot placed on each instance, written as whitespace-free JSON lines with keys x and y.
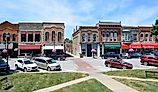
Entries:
{"x":7,"y":35}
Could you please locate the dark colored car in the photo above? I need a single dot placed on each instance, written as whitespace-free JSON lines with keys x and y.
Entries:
{"x":118,"y":63}
{"x":111,"y":55}
{"x":60,"y":57}
{"x":135,"y":55}
{"x":146,"y":60}
{"x":4,"y":67}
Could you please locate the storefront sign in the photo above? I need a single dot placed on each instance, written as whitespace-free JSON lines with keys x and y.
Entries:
{"x":112,"y":46}
{"x":10,"y":46}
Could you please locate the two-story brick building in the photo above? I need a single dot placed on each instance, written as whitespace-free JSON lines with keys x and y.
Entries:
{"x":9,"y":32}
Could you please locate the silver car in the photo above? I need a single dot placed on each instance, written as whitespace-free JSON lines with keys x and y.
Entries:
{"x":47,"y":63}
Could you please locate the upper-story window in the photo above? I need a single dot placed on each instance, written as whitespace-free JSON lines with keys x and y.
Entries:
{"x":83,"y":37}
{"x":23,"y":37}
{"x":37,"y":37}
{"x":115,"y":36}
{"x":47,"y":36}
{"x":151,"y":37}
{"x":89,"y":37}
{"x":94,"y":37}
{"x":146,"y":37}
{"x":30,"y":36}
{"x":13,"y":37}
{"x":53,"y":35}
{"x":103,"y":33}
{"x":141,"y":36}
{"x":59,"y":36}
{"x":111,"y":36}
{"x":4,"y":36}
{"x":134,"y":37}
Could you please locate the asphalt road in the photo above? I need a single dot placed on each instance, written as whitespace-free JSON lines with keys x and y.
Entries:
{"x":69,"y":64}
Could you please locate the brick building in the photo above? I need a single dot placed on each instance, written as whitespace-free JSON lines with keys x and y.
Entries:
{"x":10,"y":31}
{"x":30,"y":38}
{"x":53,"y":37}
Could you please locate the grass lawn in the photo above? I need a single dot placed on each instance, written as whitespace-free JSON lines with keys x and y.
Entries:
{"x":129,"y":73}
{"x":91,"y":85}
{"x":141,"y":86}
{"x":27,"y":82}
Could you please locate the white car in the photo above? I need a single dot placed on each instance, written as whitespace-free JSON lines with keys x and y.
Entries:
{"x":47,"y":63}
{"x":25,"y":64}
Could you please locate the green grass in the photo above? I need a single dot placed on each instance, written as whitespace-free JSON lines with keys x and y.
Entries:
{"x":27,"y":82}
{"x":129,"y":73}
{"x":86,"y":86}
{"x":141,"y":86}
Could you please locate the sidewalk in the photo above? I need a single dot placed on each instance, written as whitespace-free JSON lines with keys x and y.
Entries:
{"x":59,"y":86}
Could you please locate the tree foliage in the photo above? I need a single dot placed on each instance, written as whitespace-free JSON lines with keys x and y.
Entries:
{"x":154,"y":29}
{"x":67,"y":40}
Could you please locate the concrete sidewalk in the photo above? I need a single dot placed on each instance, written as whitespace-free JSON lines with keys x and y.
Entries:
{"x":59,"y":86}
{"x":112,"y":84}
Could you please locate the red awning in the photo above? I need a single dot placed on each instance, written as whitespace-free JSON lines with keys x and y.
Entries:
{"x":136,"y":46}
{"x":148,"y":46}
{"x":125,"y":46}
{"x":29,"y":47}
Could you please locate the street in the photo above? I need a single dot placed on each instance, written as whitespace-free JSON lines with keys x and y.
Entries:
{"x":70,"y":64}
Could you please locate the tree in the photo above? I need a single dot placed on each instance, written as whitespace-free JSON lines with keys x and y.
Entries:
{"x":154,"y":30}
{"x":67,"y":40}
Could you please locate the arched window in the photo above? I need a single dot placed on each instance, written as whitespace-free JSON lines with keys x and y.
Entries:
{"x":83,"y":37}
{"x":47,"y":36}
{"x":89,"y":37}
{"x":4,"y":36}
{"x":53,"y":35}
{"x":59,"y":36}
{"x":94,"y":37}
{"x":13,"y":37}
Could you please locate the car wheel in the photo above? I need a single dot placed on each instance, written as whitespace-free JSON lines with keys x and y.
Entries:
{"x":16,"y":67}
{"x":124,"y":67}
{"x":25,"y":70}
{"x":145,"y":63}
{"x":109,"y":65}
{"x":49,"y":69}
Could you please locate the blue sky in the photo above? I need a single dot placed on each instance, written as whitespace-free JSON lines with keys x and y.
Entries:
{"x":80,"y":12}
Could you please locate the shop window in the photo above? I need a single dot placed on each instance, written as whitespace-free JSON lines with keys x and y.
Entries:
{"x":47,"y":36}
{"x":30,"y":37}
{"x":23,"y":37}
{"x":13,"y":37}
{"x":37,"y":37}
{"x":59,"y":36}
{"x":53,"y":35}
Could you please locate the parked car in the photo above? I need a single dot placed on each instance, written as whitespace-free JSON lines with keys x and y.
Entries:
{"x":111,"y":55}
{"x":135,"y":55}
{"x":146,"y":60}
{"x":60,"y":57}
{"x":118,"y":63}
{"x":4,"y":67}
{"x":25,"y":64}
{"x":125,"y":55}
{"x":25,"y":55}
{"x":47,"y":63}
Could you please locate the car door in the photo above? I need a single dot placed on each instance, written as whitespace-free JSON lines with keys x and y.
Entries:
{"x":155,"y":61}
{"x":43,"y":64}
{"x":151,"y":60}
{"x":38,"y":62}
{"x":116,"y":63}
{"x":20,"y":64}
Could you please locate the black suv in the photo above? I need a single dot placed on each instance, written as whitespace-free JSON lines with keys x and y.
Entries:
{"x":4,"y":67}
{"x":57,"y":56}
{"x":111,"y":55}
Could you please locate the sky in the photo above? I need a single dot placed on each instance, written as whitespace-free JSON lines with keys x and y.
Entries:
{"x":80,"y":12}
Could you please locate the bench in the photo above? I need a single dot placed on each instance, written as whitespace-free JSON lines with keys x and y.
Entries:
{"x":150,"y":72}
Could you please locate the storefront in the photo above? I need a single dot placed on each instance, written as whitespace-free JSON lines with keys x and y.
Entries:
{"x":112,"y":47}
{"x":32,"y":49}
{"x":49,"y":49}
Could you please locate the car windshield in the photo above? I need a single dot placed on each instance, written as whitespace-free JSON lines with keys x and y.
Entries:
{"x":122,"y":61}
{"x":50,"y":61}
{"x":28,"y":62}
{"x":2,"y":62}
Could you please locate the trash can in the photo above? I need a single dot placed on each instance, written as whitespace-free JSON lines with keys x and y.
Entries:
{"x":81,"y":56}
